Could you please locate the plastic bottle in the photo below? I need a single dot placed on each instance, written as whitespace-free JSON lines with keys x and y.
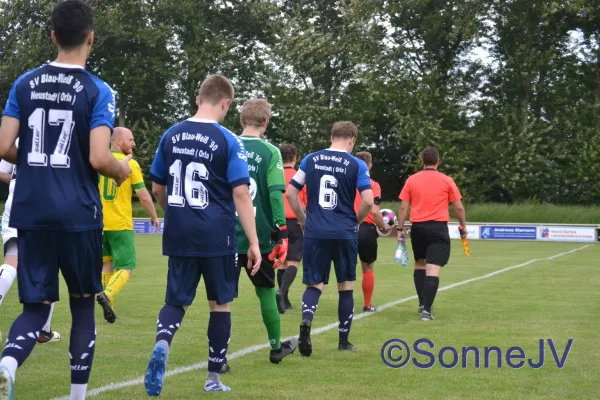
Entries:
{"x":401,"y":256}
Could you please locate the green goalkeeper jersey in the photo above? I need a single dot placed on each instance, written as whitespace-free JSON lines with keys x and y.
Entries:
{"x":266,"y":176}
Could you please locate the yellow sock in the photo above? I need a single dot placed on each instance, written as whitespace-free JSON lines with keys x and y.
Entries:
{"x":106,"y":276}
{"x":116,"y":284}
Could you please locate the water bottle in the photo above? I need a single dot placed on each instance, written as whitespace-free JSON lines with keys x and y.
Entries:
{"x":401,"y":256}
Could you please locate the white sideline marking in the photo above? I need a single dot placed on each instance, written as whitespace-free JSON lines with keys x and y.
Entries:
{"x":252,"y":349}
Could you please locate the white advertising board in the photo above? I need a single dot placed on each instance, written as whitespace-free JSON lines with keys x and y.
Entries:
{"x":473,"y":231}
{"x":566,"y":234}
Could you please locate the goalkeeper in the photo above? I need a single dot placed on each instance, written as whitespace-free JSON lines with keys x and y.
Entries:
{"x":267,"y":182}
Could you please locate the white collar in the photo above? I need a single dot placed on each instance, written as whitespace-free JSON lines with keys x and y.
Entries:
{"x":62,"y":65}
{"x":338,"y":150}
{"x":205,"y":121}
{"x":248,"y":137}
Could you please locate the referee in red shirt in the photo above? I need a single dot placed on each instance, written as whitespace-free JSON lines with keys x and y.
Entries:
{"x":428,"y":194}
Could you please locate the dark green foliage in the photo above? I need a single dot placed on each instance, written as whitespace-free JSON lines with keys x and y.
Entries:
{"x":520,"y":124}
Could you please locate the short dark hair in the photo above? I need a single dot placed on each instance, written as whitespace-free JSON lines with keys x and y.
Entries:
{"x":72,"y":22}
{"x":288,"y":152}
{"x":214,"y":89}
{"x":344,"y":130}
{"x":430,"y":156}
{"x":365,"y":156}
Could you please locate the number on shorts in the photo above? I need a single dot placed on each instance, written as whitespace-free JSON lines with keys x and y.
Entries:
{"x":37,"y":123}
{"x":327,"y":194}
{"x":194,"y":190}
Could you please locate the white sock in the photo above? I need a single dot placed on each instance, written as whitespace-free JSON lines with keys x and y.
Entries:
{"x":78,"y":391}
{"x":46,"y":327}
{"x":7,"y":277}
{"x":11,"y":365}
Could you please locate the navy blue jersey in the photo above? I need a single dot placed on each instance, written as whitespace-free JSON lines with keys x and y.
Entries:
{"x":332,"y":178}
{"x":57,"y":106}
{"x":200,"y":162}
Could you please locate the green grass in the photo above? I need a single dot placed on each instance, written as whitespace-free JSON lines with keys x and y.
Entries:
{"x":525,"y":213}
{"x":515,"y":213}
{"x":545,"y":299}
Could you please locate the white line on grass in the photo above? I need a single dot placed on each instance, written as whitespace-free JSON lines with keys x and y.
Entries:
{"x":253,"y":349}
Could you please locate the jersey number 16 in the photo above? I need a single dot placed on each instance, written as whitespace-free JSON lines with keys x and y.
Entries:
{"x":196,"y":193}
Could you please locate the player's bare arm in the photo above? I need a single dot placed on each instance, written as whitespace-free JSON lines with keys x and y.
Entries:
{"x":9,"y":131}
{"x":148,"y":204}
{"x":378,"y":218}
{"x":292,"y":196}
{"x":103,"y":161}
{"x":459,"y":211}
{"x":160,"y":194}
{"x":402,"y":214}
{"x":245,"y":210}
{"x":366,"y":205}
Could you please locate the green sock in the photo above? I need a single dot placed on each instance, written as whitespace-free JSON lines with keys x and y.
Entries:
{"x":270,"y":315}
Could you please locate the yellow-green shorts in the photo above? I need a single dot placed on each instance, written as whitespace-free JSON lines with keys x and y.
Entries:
{"x":118,"y":247}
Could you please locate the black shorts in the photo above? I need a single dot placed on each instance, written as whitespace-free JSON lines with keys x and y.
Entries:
{"x":220,"y":279}
{"x":320,"y":253}
{"x":43,"y":254}
{"x":431,"y":241}
{"x":265,"y":277}
{"x":367,"y":243}
{"x":295,"y":240}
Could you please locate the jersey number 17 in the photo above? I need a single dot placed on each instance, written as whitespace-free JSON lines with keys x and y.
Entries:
{"x":37,"y":122}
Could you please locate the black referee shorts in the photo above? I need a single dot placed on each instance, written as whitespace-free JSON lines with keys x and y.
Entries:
{"x":295,"y":240}
{"x":431,"y":241}
{"x":367,"y":243}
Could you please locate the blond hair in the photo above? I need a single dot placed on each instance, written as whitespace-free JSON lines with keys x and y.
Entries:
{"x":255,"y":112}
{"x":365,"y":156}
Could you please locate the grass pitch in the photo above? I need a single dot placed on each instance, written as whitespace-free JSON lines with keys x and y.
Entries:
{"x":550,"y":298}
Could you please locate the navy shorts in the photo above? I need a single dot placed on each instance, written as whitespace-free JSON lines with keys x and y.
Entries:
{"x":220,"y":279}
{"x":320,"y":253}
{"x":42,"y":254}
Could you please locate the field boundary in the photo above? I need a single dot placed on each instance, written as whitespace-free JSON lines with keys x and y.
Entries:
{"x":317,"y":331}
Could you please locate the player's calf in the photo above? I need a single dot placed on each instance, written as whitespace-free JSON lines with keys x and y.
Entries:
{"x":168,"y":322}
{"x":21,"y":340}
{"x":82,"y":344}
{"x":219,"y":334}
{"x":310,"y":303}
{"x":345,"y":315}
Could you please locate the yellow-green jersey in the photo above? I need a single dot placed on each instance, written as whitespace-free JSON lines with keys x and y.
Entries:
{"x":116,"y":201}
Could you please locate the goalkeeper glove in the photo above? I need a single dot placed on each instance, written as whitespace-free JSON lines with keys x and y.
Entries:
{"x":279,"y":253}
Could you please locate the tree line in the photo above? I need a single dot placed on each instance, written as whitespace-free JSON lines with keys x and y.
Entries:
{"x":507,"y":90}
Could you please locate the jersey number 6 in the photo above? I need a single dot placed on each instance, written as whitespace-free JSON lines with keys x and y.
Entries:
{"x":328,"y":196}
{"x":196,"y":193}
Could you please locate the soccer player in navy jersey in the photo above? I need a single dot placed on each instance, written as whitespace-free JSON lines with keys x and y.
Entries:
{"x":200,"y":178}
{"x":63,"y":117}
{"x":332,"y":177}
